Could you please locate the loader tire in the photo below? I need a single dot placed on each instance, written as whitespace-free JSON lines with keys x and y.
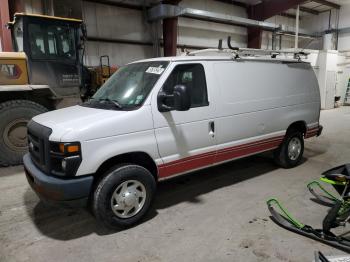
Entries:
{"x":14,"y":116}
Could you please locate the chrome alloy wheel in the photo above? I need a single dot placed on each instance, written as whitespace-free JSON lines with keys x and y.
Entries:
{"x":294,"y":148}
{"x":128,"y":199}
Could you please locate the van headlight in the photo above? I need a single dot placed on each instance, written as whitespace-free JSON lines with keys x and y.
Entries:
{"x":65,"y":158}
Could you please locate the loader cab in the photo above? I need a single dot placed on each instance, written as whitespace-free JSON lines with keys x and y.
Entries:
{"x":53,"y":49}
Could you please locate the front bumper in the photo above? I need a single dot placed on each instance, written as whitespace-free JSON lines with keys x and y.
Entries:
{"x":66,"y":192}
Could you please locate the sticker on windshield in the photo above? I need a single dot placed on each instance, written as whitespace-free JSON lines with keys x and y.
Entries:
{"x":155,"y":70}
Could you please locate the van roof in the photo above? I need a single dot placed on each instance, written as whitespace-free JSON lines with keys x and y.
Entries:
{"x":219,"y":58}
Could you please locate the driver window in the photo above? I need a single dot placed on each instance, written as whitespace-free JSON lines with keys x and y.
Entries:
{"x":193,"y":77}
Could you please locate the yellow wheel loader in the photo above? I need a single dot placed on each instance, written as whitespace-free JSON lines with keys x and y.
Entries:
{"x":44,"y":73}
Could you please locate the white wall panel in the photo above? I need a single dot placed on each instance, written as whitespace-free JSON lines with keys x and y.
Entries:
{"x":207,"y":34}
{"x":344,"y":21}
{"x":119,"y":54}
{"x":214,"y":6}
{"x":113,"y":22}
{"x":33,"y":6}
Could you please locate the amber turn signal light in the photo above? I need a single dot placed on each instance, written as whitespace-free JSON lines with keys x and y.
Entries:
{"x":69,"y":148}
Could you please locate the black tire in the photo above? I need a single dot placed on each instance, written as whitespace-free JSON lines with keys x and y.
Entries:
{"x":14,"y":115}
{"x":281,"y":155}
{"x":102,"y":206}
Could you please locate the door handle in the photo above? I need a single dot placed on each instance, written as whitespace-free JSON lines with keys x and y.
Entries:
{"x":211,"y":128}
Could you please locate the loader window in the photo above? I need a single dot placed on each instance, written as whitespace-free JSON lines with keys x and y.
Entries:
{"x":18,"y":36}
{"x":52,"y":42}
{"x":37,"y":45}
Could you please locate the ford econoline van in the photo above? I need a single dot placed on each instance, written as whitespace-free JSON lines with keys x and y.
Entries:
{"x":159,"y":118}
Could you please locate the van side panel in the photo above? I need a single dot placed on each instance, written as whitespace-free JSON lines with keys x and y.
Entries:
{"x":260,"y":99}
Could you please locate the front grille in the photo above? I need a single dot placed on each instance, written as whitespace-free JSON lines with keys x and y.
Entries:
{"x":39,"y":147}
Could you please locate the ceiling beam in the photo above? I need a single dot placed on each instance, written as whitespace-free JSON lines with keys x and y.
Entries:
{"x":233,"y":2}
{"x":263,"y":11}
{"x":289,"y":15}
{"x":327,"y":3}
{"x":245,"y":5}
{"x":117,"y":4}
{"x":268,"y":9}
{"x":309,"y":10}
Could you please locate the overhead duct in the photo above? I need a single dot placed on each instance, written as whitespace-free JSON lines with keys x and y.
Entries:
{"x":162,"y":11}
{"x":344,"y":30}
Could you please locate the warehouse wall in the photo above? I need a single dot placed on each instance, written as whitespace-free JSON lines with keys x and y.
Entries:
{"x":287,"y":41}
{"x":110,"y":22}
{"x":33,"y":6}
{"x":207,"y":34}
{"x":340,"y":62}
{"x":128,"y":24}
{"x":343,"y":46}
{"x":344,"y":22}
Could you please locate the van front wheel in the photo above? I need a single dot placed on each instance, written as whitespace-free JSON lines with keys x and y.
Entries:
{"x":123,"y":195}
{"x":290,"y":152}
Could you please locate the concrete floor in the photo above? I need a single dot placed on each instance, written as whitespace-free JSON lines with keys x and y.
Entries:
{"x":218,"y":214}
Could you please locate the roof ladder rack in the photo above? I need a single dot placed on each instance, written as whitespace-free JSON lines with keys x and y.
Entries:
{"x":238,"y":52}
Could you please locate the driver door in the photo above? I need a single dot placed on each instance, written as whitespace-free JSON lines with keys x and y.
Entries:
{"x":186,"y":139}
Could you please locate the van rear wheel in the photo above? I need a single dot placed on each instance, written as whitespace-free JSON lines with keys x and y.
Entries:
{"x":290,"y":152}
{"x":123,"y":196}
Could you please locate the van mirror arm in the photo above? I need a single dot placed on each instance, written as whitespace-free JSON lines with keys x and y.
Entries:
{"x":162,"y":107}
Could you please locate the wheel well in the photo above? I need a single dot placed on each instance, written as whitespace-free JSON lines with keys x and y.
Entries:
{"x":299,"y":126}
{"x":137,"y":158}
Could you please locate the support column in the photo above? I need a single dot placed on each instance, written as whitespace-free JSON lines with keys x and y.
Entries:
{"x":15,"y":6}
{"x":5,"y":34}
{"x":170,"y":32}
{"x":254,"y":33}
{"x":296,"y":40}
{"x":254,"y":37}
{"x":170,"y":36}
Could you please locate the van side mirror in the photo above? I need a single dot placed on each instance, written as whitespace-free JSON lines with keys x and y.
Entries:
{"x":182,"y":98}
{"x":179,"y":100}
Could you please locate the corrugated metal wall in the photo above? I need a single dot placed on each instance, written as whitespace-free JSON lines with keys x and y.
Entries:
{"x":111,"y":22}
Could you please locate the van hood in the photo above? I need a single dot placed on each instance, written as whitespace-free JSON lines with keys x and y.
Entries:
{"x":79,"y":123}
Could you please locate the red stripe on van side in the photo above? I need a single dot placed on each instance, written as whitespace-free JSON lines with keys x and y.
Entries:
{"x":206,"y":159}
{"x":239,"y":152}
{"x":311,"y":132}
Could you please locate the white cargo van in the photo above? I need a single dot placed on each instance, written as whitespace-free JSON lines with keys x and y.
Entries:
{"x":159,"y":118}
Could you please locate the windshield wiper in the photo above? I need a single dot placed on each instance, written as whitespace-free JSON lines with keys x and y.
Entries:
{"x":113,"y":101}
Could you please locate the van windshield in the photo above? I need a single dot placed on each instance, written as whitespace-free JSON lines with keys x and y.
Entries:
{"x":128,"y":88}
